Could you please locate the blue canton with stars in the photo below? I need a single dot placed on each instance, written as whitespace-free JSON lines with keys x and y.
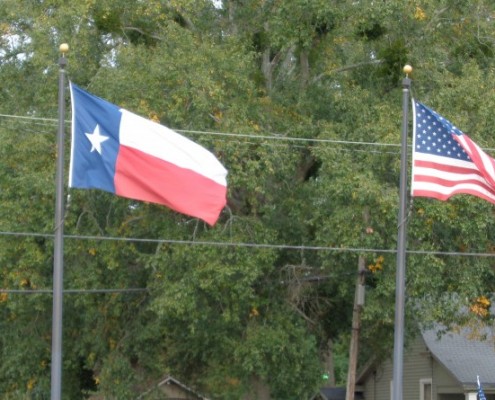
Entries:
{"x":434,"y":135}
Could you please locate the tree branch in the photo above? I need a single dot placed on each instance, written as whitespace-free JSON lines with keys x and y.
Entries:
{"x":139,"y":30}
{"x":347,"y":68}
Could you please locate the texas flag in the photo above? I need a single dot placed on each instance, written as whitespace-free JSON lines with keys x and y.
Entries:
{"x":117,"y":151}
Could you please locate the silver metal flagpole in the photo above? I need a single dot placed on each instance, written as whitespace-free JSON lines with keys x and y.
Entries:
{"x":58,"y":259}
{"x":401,"y":248}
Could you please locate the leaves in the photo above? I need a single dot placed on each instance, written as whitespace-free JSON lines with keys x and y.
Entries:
{"x":301,"y":102}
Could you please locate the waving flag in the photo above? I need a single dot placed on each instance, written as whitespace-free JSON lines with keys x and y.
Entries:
{"x":119,"y":152}
{"x":446,"y":161}
{"x":481,"y":394}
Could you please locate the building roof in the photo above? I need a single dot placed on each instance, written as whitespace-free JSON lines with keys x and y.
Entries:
{"x":331,"y":393}
{"x":168,"y":380}
{"x":335,"y":393}
{"x":464,"y":354}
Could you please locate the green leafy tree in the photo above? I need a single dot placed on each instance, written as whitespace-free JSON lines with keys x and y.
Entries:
{"x":308,"y":95}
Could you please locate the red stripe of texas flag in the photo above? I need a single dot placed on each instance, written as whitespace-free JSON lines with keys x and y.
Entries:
{"x":143,"y":177}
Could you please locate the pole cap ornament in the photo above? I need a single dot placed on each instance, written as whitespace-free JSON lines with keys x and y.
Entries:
{"x":407,"y":69}
{"x":64,"y":48}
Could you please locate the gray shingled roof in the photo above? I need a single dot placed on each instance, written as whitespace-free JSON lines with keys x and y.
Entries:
{"x":464,"y":356}
{"x":168,"y":379}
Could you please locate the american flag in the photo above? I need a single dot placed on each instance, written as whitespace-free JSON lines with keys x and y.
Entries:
{"x":446,"y":161}
{"x":481,"y":394}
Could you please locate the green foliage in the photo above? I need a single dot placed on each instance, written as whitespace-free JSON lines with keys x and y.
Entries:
{"x":309,"y":94}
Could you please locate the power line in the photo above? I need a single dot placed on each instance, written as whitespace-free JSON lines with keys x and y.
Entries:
{"x":312,"y":279}
{"x":274,"y":137}
{"x":273,"y":144}
{"x":291,"y":139}
{"x":252,"y":245}
{"x":30,"y":118}
{"x":74,"y":291}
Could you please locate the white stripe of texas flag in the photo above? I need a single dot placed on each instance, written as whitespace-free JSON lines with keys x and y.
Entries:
{"x":163,"y":143}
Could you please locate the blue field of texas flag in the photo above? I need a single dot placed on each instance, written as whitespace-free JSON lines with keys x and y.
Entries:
{"x":117,"y":151}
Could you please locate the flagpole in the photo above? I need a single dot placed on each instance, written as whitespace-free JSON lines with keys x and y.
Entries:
{"x":58,"y":259}
{"x":401,"y":248}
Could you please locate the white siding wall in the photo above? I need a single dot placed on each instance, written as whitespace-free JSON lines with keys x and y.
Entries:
{"x":418,"y":365}
{"x":443,"y":381}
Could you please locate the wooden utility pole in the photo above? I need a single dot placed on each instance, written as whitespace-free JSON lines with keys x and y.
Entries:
{"x":356,"y":326}
{"x":356,"y":322}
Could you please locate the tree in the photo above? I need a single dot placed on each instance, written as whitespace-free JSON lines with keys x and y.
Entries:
{"x":307,"y":94}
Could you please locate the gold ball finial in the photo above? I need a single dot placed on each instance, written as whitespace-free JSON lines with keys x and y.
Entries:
{"x":64,"y":48}
{"x":407,"y":69}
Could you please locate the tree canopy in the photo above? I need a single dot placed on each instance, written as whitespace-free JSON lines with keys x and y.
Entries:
{"x":301,"y":101}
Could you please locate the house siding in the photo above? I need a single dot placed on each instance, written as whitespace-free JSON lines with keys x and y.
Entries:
{"x":418,"y":365}
{"x":445,"y":383}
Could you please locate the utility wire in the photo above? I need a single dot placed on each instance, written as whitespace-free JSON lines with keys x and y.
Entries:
{"x":251,"y":245}
{"x":311,"y":279}
{"x":275,"y":137}
{"x":55,"y":120}
{"x":291,"y":139}
{"x":74,"y":291}
{"x":244,"y":135}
